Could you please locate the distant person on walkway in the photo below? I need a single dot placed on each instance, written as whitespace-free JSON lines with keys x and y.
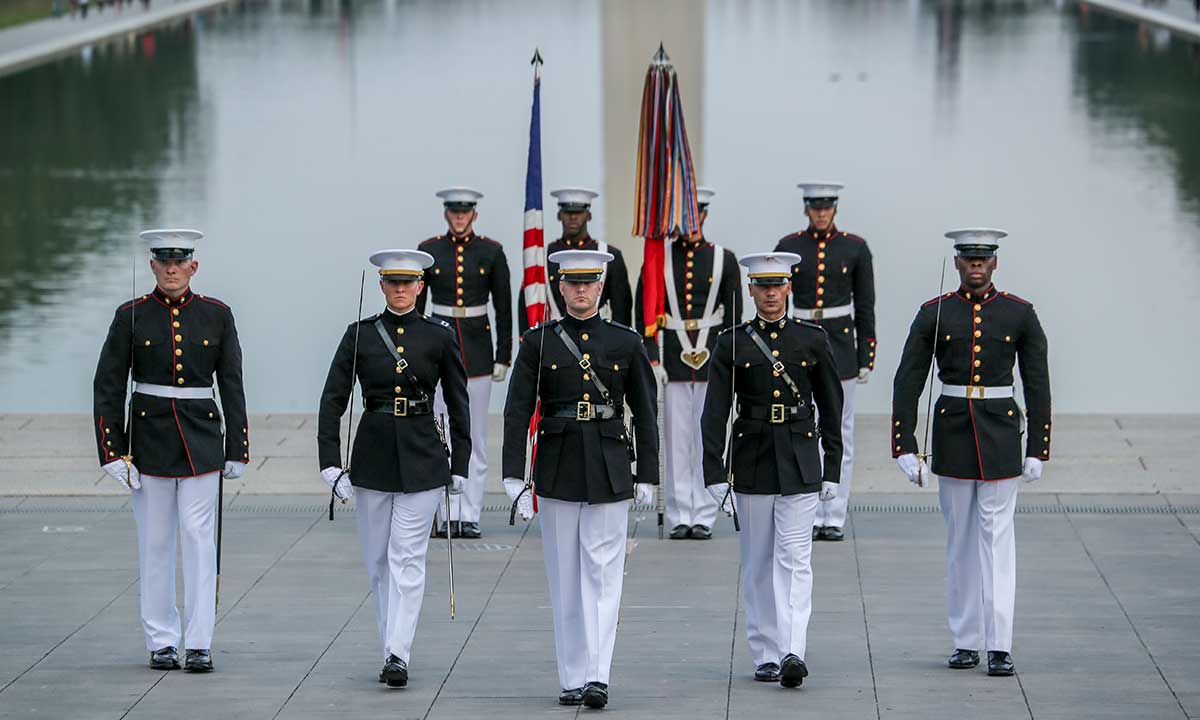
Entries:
{"x":834,"y":287}
{"x":704,"y":296}
{"x":584,"y":370}
{"x":468,"y":271}
{"x":398,"y":471}
{"x":780,"y":376}
{"x":976,"y":333}
{"x":173,"y":446}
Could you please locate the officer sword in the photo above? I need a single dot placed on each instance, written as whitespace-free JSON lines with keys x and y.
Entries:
{"x":937,"y":320}
{"x":128,"y":456}
{"x":729,"y":496}
{"x":362,"y":282}
{"x":440,"y":424}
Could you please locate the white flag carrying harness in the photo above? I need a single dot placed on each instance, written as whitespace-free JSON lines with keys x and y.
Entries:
{"x":694,"y":355}
{"x":605,"y":312}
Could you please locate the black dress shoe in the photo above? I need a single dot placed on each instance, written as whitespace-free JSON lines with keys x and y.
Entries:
{"x":571,"y":697}
{"x":455,"y":529}
{"x":680,"y":532}
{"x":439,"y":530}
{"x":833,"y":534}
{"x":469,"y":530}
{"x":767,"y":672}
{"x":818,"y":532}
{"x":963,"y":659}
{"x":395,"y":672}
{"x":1000,"y":664}
{"x":792,"y":671}
{"x":165,"y":659}
{"x":595,"y":695}
{"x":198,"y":661}
{"x":701,"y":532}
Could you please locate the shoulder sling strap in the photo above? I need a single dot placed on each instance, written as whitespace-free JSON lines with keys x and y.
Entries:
{"x":583,"y":363}
{"x":401,"y":363}
{"x":776,"y":365}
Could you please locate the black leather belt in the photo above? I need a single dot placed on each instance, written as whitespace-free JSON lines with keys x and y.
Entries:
{"x":398,"y":407}
{"x":777,"y":413}
{"x":581,"y":411}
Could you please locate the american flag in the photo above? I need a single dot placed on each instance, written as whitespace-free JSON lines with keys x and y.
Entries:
{"x":533,"y":284}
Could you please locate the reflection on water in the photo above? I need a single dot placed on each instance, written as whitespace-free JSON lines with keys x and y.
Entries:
{"x":1137,"y":79}
{"x":302,"y":134}
{"x":86,"y":149}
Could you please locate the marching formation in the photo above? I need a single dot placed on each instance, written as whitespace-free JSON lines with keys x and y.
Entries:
{"x":711,"y":414}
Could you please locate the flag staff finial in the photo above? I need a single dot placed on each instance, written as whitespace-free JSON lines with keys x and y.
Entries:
{"x":661,"y":59}
{"x":537,"y":57}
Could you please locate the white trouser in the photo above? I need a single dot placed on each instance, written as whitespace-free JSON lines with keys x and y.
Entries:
{"x":466,"y":506}
{"x":161,"y":508}
{"x":981,"y":561}
{"x":584,"y":548}
{"x":777,"y":579}
{"x":686,"y":501}
{"x":393,"y":529}
{"x":832,"y":513}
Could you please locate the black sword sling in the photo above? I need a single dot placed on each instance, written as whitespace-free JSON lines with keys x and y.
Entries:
{"x":778,"y":412}
{"x":401,"y":365}
{"x":585,"y":411}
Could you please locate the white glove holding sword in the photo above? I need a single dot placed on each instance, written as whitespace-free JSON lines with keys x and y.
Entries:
{"x":339,"y":480}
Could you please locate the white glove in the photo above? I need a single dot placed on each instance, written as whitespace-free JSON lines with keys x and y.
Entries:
{"x":513,"y":488}
{"x":864,"y":374}
{"x":117,"y":470}
{"x":916,"y":469}
{"x":340,"y":482}
{"x":1032,"y":470}
{"x":720,"y":493}
{"x":643,"y":494}
{"x":234,"y":469}
{"x":829,"y":491}
{"x":456,"y":484}
{"x":499,"y":372}
{"x":660,"y":373}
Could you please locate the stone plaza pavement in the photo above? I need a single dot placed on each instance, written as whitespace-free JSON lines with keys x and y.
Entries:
{"x":1108,"y":613}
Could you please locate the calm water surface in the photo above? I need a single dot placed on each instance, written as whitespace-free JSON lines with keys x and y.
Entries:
{"x":302,"y":136}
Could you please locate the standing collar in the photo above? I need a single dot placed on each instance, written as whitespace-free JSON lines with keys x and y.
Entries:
{"x":579,"y":244}
{"x":987,"y":293}
{"x":165,"y":299}
{"x":570,"y":321}
{"x":687,"y":244}
{"x":817,"y":234}
{"x":762,"y":323}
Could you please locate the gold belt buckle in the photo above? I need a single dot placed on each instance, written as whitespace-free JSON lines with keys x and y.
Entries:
{"x":458,"y":312}
{"x":400,"y":407}
{"x":973,"y":390}
{"x":778,"y":367}
{"x":585,"y":411}
{"x":692,"y":324}
{"x":818,"y":314}
{"x":778,"y":413}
